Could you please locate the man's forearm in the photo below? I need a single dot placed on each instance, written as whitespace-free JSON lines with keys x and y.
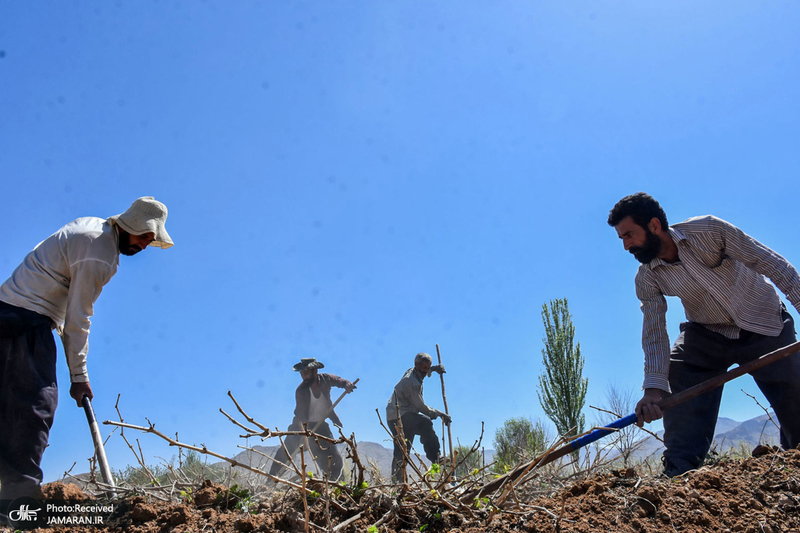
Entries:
{"x":76,"y":359}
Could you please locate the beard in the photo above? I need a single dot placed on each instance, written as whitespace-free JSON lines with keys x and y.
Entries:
{"x":649,"y":250}
{"x":125,"y":246}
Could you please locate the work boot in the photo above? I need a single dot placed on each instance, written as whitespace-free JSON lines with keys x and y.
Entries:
{"x":675,"y":467}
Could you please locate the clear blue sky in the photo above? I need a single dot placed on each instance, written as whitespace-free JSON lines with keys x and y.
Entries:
{"x":358,"y":181}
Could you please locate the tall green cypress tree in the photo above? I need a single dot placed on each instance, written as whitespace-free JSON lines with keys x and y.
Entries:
{"x":562,"y":387}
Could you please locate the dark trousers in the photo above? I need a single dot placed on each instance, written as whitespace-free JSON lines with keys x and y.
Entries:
{"x":28,"y":398}
{"x":413,"y":424}
{"x":320,"y":450}
{"x":699,"y":355}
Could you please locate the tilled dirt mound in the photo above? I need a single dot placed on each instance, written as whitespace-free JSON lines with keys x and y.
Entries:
{"x":757,"y":495}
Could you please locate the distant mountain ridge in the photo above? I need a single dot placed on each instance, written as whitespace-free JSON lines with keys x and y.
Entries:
{"x":728,"y":435}
{"x":760,"y":430}
{"x":375,"y":457}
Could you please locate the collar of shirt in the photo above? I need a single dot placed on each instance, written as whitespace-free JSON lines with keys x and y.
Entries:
{"x":677,"y":237}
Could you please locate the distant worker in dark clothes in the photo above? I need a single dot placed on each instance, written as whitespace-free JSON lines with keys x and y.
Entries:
{"x":733,"y":316}
{"x":313,"y":407}
{"x":407,"y":405}
{"x":56,"y":287}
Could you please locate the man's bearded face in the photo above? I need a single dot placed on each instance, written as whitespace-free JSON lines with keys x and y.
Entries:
{"x":649,"y":250}
{"x":133,"y":244}
{"x":125,"y":246}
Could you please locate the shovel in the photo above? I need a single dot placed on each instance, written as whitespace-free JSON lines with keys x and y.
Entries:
{"x":99,"y":450}
{"x":597,"y":434}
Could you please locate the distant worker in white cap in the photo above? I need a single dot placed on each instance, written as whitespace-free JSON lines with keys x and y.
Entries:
{"x":407,"y":405}
{"x":56,"y":287}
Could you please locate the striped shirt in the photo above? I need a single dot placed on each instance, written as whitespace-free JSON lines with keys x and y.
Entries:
{"x":720,"y":279}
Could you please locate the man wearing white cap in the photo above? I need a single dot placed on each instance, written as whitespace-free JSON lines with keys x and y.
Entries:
{"x":415,"y":418}
{"x":55,"y":287}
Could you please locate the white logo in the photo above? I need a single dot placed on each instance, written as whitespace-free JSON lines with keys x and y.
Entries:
{"x":24,"y":514}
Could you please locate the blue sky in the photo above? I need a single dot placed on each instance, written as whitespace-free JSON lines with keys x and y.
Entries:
{"x":359,"y":181}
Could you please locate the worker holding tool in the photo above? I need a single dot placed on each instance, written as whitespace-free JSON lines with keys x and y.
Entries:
{"x":407,"y":406}
{"x":56,"y":286}
{"x":313,"y":408}
{"x":733,"y":316}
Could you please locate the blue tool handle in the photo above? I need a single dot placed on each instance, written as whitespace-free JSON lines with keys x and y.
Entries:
{"x":598,"y":434}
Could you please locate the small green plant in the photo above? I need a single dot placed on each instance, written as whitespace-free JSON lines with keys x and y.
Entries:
{"x":483,"y":503}
{"x":339,"y":486}
{"x":245,"y":505}
{"x":372,"y":529}
{"x":434,"y":521}
{"x":359,"y":490}
{"x":234,"y":497}
{"x":434,"y":469}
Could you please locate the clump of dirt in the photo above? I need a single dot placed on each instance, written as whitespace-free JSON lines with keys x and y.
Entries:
{"x":760,"y":494}
{"x":64,"y":492}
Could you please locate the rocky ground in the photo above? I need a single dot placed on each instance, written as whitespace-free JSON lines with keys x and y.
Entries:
{"x":756,"y":495}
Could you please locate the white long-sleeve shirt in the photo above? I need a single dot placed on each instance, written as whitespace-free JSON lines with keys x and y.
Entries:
{"x":62,"y":278}
{"x":720,"y":279}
